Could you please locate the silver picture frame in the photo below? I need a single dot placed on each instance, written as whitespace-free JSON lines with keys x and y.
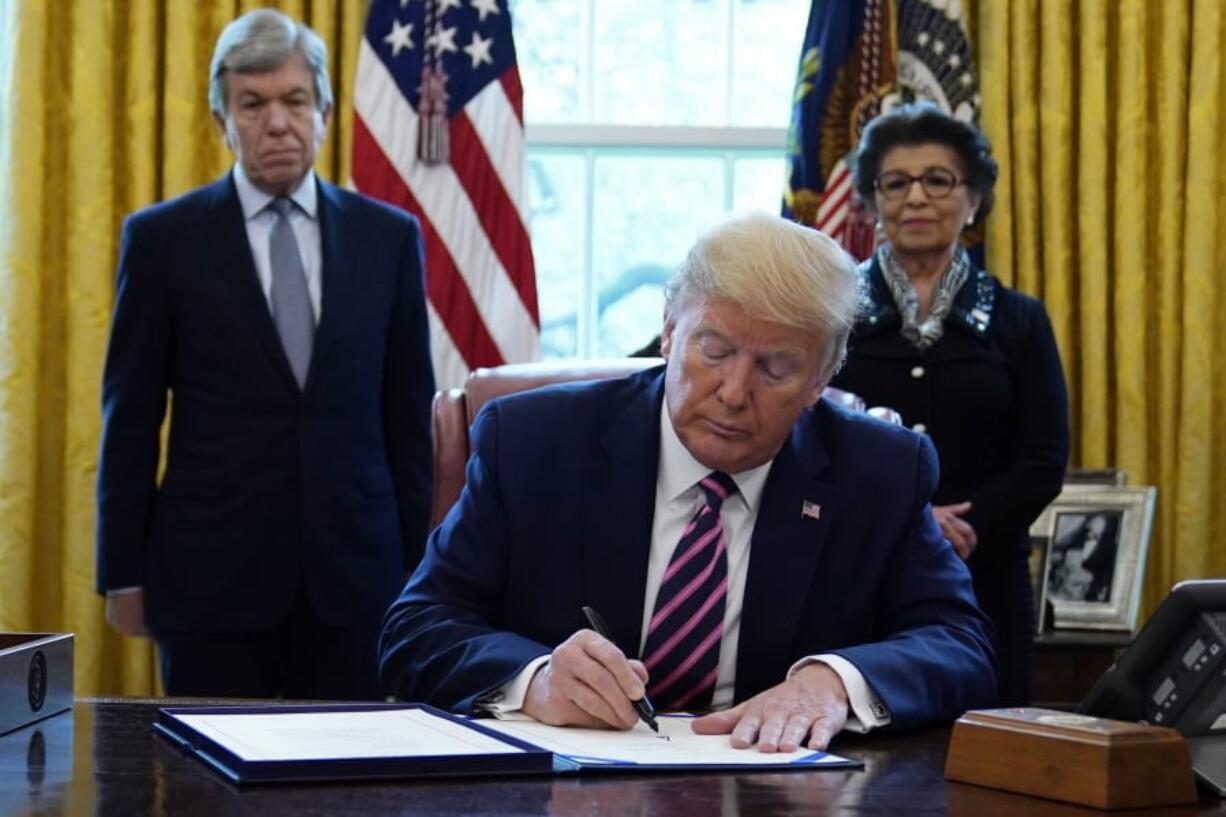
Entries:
{"x":1097,"y":541}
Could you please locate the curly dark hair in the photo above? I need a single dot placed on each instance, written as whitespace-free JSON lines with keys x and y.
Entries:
{"x":921,"y":123}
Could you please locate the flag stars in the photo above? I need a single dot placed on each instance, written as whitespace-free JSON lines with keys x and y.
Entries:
{"x":938,"y":47}
{"x":479,"y":50}
{"x":442,"y":40}
{"x":443,"y":5}
{"x":400,"y":38}
{"x":484,"y":7}
{"x":955,"y":62}
{"x":923,"y":38}
{"x":966,"y":79}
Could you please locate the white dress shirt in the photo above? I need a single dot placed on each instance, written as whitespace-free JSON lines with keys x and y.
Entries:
{"x":304,"y":219}
{"x":678,"y":498}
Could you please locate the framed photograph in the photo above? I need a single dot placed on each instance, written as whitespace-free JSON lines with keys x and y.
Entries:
{"x":1094,"y":565}
{"x":1037,"y":563}
{"x":1098,"y":477}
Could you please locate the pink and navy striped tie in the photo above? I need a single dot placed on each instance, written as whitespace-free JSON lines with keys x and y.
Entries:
{"x":683,"y":638}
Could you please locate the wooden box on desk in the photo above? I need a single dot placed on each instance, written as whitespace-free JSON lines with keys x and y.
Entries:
{"x":1074,"y":758}
{"x":35,"y":677}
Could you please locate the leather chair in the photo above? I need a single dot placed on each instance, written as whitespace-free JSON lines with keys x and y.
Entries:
{"x":455,"y":409}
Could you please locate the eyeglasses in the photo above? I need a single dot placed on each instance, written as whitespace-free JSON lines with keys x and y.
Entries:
{"x":937,"y":183}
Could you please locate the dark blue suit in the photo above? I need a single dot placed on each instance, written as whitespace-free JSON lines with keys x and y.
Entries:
{"x":557,"y":513}
{"x":271,"y":494}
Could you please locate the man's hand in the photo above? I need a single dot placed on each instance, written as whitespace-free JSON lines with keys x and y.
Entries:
{"x":125,"y":611}
{"x":587,"y":682}
{"x":956,"y":529}
{"x":811,"y":704}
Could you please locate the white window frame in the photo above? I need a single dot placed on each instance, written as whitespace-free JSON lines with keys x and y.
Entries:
{"x":595,"y":141}
{"x":592,"y":141}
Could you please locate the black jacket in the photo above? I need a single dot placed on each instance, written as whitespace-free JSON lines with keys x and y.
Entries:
{"x":990,"y":393}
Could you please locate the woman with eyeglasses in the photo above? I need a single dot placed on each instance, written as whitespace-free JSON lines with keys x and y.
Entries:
{"x":964,"y":359}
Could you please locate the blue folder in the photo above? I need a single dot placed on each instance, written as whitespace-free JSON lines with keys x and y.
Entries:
{"x":524,"y":757}
{"x":530,"y":760}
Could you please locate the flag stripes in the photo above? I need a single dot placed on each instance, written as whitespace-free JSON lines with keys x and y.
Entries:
{"x":481,"y":280}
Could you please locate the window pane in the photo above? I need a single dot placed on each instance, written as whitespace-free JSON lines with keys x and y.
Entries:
{"x":758,"y":184}
{"x":766,"y":40}
{"x":556,"y":196}
{"x":8,"y":28}
{"x":547,"y":46}
{"x":659,"y":62}
{"x":648,"y":211}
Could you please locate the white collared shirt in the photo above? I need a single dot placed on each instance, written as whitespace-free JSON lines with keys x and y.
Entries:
{"x":304,"y":219}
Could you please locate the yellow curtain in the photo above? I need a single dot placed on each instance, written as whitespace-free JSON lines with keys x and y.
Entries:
{"x":107,"y":112}
{"x":1108,"y":119}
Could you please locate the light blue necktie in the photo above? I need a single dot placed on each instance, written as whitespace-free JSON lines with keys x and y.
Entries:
{"x":291,"y":301}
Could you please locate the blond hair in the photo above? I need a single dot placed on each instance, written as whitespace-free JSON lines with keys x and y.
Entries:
{"x":777,"y":271}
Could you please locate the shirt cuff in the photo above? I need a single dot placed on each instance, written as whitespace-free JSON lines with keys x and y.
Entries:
{"x":508,"y":699}
{"x":867,"y":710}
{"x":124,"y":591}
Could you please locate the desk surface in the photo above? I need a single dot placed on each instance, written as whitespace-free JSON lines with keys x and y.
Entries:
{"x":103,"y":759}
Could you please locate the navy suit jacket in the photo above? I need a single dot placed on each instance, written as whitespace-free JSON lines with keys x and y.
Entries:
{"x":557,"y":513}
{"x":267,"y":488}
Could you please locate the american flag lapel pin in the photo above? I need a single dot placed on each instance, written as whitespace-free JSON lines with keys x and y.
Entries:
{"x":810,"y":510}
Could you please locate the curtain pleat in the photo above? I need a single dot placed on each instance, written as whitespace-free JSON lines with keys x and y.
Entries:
{"x":1106,"y":116}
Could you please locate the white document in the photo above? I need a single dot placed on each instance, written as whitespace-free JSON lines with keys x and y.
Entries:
{"x":324,"y":735}
{"x":676,"y":745}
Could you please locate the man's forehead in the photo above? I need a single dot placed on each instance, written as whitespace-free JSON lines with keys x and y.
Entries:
{"x":731,"y":323}
{"x":294,"y":72}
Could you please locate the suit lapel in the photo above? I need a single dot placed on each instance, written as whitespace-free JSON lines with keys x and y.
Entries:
{"x":232,"y":252}
{"x":617,"y":522}
{"x":793,"y":520}
{"x":332,"y":215}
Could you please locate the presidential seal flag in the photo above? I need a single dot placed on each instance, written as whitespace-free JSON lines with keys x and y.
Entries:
{"x":438,"y":130}
{"x":859,"y":58}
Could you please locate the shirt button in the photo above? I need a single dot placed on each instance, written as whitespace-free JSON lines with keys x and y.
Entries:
{"x":917,"y":372}
{"x":920,"y":427}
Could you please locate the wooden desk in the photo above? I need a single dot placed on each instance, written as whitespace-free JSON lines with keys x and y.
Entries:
{"x":103,"y":759}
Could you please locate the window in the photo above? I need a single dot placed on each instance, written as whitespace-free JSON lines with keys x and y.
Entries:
{"x":647,"y":121}
{"x":8,"y":28}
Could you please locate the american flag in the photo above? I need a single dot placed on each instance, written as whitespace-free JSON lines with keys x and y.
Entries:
{"x":810,"y":510}
{"x":460,"y":170}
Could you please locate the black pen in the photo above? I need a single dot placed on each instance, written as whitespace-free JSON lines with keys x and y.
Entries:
{"x":642,"y":706}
